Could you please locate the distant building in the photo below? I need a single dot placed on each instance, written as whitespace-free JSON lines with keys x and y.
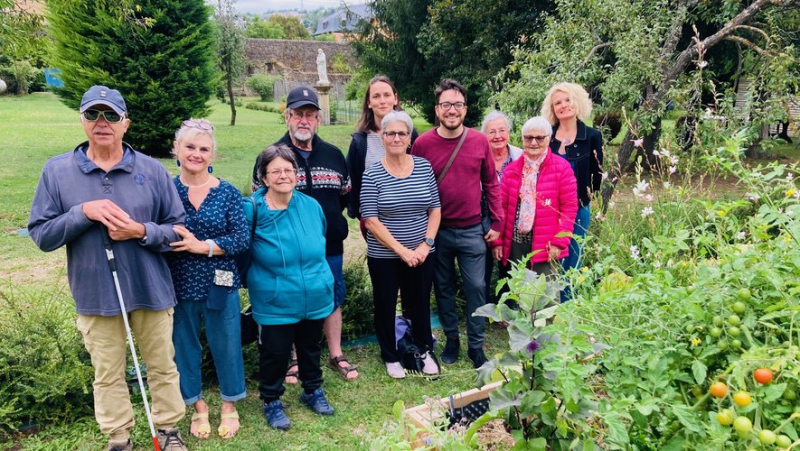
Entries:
{"x":344,"y":22}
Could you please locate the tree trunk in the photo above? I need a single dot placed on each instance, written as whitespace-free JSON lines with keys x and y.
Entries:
{"x":232,"y":101}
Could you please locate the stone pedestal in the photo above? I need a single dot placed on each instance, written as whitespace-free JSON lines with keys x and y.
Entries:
{"x":323,"y":90}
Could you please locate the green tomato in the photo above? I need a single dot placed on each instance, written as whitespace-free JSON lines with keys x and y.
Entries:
{"x":689,"y":328}
{"x":715,"y":332}
{"x":736,"y":344}
{"x":743,"y":295}
{"x":767,"y":437}
{"x":734,"y":331}
{"x":722,"y":345}
{"x":718,"y":321}
{"x":739,"y":307}
{"x":783,"y":441}
{"x":789,"y":395}
{"x":734,"y":320}
{"x":725,"y":417}
{"x":742,"y":425}
{"x":697,"y":391}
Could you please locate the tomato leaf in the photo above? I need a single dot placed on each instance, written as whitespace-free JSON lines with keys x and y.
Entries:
{"x":773,"y":392}
{"x":686,"y":417}
{"x":699,"y":371}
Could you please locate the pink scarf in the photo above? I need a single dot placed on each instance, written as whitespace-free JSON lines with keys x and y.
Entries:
{"x":527,"y":193}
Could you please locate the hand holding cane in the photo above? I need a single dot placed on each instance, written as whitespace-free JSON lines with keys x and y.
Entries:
{"x":113,"y":266}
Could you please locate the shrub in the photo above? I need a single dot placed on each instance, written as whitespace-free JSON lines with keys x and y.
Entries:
{"x":263,"y":85}
{"x":45,"y":371}
{"x":358,"y":312}
{"x":259,"y":106}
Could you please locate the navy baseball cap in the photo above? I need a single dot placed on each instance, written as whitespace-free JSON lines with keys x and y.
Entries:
{"x":302,"y":96}
{"x":103,"y":95}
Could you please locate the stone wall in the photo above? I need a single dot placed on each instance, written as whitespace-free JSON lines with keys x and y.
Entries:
{"x":296,"y":63}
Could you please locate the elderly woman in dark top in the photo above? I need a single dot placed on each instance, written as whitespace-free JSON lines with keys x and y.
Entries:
{"x":400,"y":204}
{"x":497,"y":128}
{"x":367,"y":147}
{"x":205,"y":277}
{"x":566,"y":106}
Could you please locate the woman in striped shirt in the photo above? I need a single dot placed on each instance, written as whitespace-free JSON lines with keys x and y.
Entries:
{"x":401,"y":209}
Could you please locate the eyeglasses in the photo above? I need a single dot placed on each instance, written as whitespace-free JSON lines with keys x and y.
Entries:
{"x":309,"y":115}
{"x":458,"y":105}
{"x":277,"y":173}
{"x":394,"y":135}
{"x":111,"y":117}
{"x":539,"y":139}
{"x":202,"y":124}
{"x":499,"y":132}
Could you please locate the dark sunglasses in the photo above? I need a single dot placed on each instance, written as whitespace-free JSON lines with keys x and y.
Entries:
{"x":201,"y":124}
{"x":108,"y":115}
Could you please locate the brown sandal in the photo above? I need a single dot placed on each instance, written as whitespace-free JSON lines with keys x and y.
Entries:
{"x":289,"y":373}
{"x":333,"y":363}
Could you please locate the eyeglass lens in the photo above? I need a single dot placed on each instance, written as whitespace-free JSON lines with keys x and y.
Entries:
{"x":393,"y":135}
{"x":109,"y":116}
{"x":457,"y":105}
{"x":539,"y":139}
{"x":202,"y":125}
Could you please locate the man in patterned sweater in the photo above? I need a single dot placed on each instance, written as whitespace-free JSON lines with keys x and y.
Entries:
{"x":322,"y":174}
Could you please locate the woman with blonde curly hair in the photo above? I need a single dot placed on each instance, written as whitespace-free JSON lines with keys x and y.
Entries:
{"x":566,"y":106}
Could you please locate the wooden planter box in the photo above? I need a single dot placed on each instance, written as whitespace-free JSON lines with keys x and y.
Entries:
{"x":425,"y":415}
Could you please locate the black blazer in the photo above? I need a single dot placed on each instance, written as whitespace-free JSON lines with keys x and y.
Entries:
{"x":585,"y":156}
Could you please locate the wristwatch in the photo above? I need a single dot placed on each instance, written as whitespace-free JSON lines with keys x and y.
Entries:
{"x":429,"y":241}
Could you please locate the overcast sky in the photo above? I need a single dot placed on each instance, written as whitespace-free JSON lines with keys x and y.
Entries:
{"x":260,"y":6}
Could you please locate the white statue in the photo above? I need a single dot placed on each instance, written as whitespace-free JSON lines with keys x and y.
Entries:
{"x":322,"y":67}
{"x":3,"y":86}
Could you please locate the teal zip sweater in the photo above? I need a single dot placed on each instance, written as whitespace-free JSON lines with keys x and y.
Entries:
{"x":289,"y":279}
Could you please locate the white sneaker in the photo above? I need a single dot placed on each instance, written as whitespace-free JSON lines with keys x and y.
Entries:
{"x":430,"y":367}
{"x":396,"y":370}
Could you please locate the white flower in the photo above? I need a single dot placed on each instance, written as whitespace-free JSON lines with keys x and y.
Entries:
{"x":634,"y":252}
{"x":605,"y":175}
{"x":647,"y":211}
{"x":752,"y":197}
{"x":703,"y":64}
{"x":657,"y":264}
{"x":599,"y":216}
{"x":740,"y":236}
{"x":666,"y":185}
{"x":611,"y":204}
{"x":640,"y":188}
{"x":672,"y":169}
{"x":789,"y":177}
{"x":796,"y":194}
{"x":664,"y":153}
{"x":674,"y":160}
{"x":648,"y":198}
{"x":656,"y":153}
{"x":638,"y":142}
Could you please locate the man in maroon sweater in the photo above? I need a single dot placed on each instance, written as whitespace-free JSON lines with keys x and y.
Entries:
{"x":461,"y":235}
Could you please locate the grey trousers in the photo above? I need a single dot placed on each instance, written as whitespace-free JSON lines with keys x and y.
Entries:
{"x":466,"y":245}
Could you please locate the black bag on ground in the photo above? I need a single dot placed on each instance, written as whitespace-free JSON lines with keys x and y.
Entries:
{"x":411,"y":354}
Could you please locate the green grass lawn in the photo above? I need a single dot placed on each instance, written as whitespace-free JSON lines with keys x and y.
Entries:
{"x":37,"y":127}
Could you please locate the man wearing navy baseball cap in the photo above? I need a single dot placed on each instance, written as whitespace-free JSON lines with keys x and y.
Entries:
{"x":105,"y":184}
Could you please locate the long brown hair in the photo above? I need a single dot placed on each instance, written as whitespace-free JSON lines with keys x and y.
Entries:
{"x":367,"y":122}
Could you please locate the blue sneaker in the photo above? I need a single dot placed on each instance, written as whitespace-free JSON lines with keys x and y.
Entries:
{"x":275,"y":416}
{"x":317,"y":402}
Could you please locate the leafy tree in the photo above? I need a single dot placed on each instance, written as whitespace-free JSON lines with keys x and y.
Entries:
{"x":158,"y":53}
{"x":645,"y":53}
{"x":230,"y":48}
{"x":419,"y":42}
{"x":292,"y":27}
{"x":257,"y":28}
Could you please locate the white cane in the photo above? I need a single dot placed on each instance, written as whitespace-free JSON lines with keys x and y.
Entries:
{"x":113,"y":266}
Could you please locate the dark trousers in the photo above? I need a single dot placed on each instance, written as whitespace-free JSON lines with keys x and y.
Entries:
{"x":275,"y":350}
{"x":387,"y":275}
{"x":466,"y":245}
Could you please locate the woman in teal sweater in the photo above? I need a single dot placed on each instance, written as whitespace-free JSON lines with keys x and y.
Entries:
{"x":290,"y":284}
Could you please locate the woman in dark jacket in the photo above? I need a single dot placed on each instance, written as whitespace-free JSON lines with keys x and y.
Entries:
{"x":566,"y":106}
{"x":366,"y":148}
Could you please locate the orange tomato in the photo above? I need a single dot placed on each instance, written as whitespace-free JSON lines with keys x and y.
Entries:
{"x":762,"y":376}
{"x":718,"y":389}
{"x":742,"y":399}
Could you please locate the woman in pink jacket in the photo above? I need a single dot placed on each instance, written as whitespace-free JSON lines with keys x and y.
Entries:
{"x":540,"y":201}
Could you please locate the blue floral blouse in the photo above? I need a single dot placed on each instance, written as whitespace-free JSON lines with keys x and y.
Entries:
{"x":220,"y":218}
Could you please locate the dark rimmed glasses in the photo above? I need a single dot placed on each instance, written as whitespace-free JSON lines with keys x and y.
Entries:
{"x":201,"y":124}
{"x":393,"y":135}
{"x":112,"y":117}
{"x":457,"y":105}
{"x":539,"y":139}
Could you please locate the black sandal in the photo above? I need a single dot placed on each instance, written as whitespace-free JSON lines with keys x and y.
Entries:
{"x":333,"y":363}
{"x":289,"y":373}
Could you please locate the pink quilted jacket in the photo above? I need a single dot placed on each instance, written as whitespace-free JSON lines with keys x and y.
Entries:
{"x":556,"y":206}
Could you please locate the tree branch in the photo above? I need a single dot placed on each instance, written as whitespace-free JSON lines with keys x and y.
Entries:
{"x":754,"y":30}
{"x":593,"y":50}
{"x":747,"y":43}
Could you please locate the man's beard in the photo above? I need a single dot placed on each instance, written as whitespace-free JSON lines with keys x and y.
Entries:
{"x":303,"y":135}
{"x":454,"y":127}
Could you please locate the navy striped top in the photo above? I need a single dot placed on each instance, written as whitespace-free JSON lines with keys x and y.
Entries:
{"x":401,"y":204}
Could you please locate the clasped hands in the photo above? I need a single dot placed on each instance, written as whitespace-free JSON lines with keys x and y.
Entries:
{"x":416,"y":256}
{"x":119,"y":223}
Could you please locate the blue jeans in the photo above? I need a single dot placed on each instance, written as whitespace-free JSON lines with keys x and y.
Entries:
{"x":466,"y":245}
{"x":575,"y":257}
{"x":336,"y":263}
{"x":223,"y":331}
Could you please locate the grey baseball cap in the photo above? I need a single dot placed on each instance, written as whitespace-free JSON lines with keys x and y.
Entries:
{"x":103,"y":95}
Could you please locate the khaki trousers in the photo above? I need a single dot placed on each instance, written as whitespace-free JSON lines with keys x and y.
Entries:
{"x":106,"y":341}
